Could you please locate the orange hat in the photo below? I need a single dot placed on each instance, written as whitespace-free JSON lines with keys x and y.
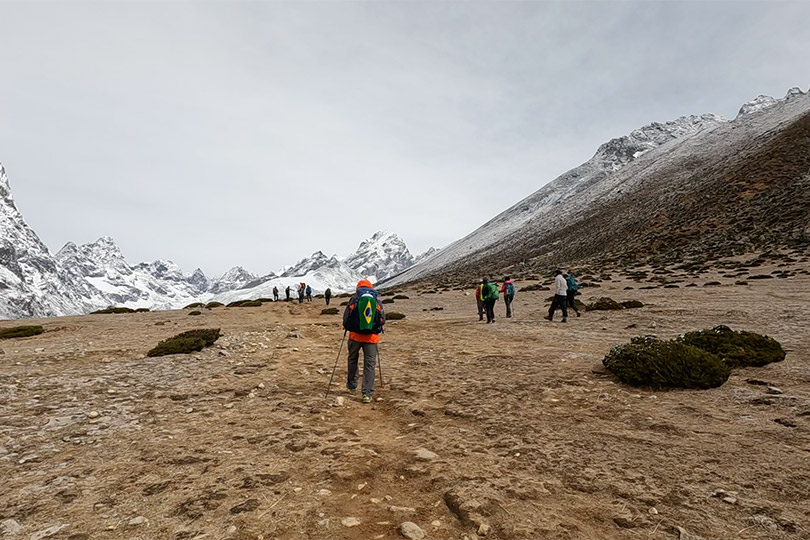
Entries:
{"x":364,"y":283}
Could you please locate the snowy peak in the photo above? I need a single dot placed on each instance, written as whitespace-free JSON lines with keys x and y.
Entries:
{"x":620,"y":151}
{"x":763,"y":102}
{"x":5,"y":189}
{"x":381,"y":256}
{"x":235,"y":278}
{"x":313,"y":262}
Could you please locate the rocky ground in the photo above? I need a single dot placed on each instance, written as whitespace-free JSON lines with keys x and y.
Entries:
{"x":506,"y":431}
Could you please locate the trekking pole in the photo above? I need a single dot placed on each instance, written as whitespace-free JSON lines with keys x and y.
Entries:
{"x":336,"y":363}
{"x":379,"y":364}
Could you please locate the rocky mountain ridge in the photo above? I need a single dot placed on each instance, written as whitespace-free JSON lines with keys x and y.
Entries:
{"x":638,"y":197}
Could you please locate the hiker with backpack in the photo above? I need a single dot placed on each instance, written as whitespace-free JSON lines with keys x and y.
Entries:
{"x":309,"y":293}
{"x":275,"y":294}
{"x":479,"y":299}
{"x":572,"y":292}
{"x":328,"y":295}
{"x":288,"y":291}
{"x":363,"y":319}
{"x":489,"y":292}
{"x":508,"y":291}
{"x":302,"y":288}
{"x":560,"y":297}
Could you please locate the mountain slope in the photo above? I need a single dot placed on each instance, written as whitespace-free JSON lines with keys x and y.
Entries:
{"x":697,"y":187}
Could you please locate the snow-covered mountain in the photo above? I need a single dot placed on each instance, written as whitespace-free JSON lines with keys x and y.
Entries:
{"x":83,"y":278}
{"x":643,"y":164}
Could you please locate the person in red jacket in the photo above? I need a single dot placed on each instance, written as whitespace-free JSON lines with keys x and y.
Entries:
{"x":363,"y":319}
{"x":508,"y":292}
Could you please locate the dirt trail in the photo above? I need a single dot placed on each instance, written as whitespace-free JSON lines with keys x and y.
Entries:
{"x":531,"y":438}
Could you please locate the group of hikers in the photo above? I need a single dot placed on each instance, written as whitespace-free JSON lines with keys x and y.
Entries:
{"x":304,"y":292}
{"x":488,"y":292}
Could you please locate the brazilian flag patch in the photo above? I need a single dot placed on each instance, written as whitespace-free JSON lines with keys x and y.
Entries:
{"x":367,"y":309}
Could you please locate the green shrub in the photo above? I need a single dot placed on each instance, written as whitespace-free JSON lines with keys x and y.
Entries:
{"x":195,"y":312}
{"x":394,"y":316}
{"x":194,"y":305}
{"x":346,"y":303}
{"x":142,"y":310}
{"x":330,"y":311}
{"x":264,"y":300}
{"x":665,"y":364}
{"x":401,"y":297}
{"x":20,"y":331}
{"x":535,"y":287}
{"x":604,"y":304}
{"x":736,"y":349}
{"x":211,"y":305}
{"x":186,"y":342}
{"x":630,"y":304}
{"x":388,"y":301}
{"x":245,"y":303}
{"x":113,"y":310}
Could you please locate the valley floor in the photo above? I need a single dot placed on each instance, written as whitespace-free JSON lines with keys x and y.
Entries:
{"x":531,"y":438}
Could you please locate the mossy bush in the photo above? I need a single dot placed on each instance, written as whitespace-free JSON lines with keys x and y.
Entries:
{"x":194,"y":305}
{"x":346,"y":303}
{"x":736,"y":349}
{"x":113,"y":310}
{"x":264,"y":300}
{"x":142,"y":310}
{"x":245,"y":303}
{"x":20,"y":331}
{"x":630,"y":304}
{"x":388,"y":301}
{"x":195,"y":312}
{"x":535,"y":287}
{"x":186,"y":342}
{"x":394,"y":316}
{"x":211,"y":305}
{"x":666,"y":364}
{"x":604,"y":304}
{"x":330,"y":311}
{"x":401,"y":297}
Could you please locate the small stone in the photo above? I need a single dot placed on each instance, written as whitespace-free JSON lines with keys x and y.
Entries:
{"x":423,"y":454}
{"x":295,"y":349}
{"x":483,"y":529}
{"x":230,"y":530}
{"x":228,"y":405}
{"x":93,"y":414}
{"x":294,"y":335}
{"x":339,"y":401}
{"x":110,"y":391}
{"x":190,"y":410}
{"x":774,"y":390}
{"x":298,"y":489}
{"x":653,"y":511}
{"x":625,"y":523}
{"x":324,"y":493}
{"x":140,"y":520}
{"x":361,"y":486}
{"x":411,"y":530}
{"x":39,"y":349}
{"x":402,"y":509}
{"x":261,"y":385}
{"x":251,"y":395}
{"x":376,"y":500}
{"x":436,"y":524}
{"x":730,"y":500}
{"x":50,"y":531}
{"x":350,"y":522}
{"x":10,"y":527}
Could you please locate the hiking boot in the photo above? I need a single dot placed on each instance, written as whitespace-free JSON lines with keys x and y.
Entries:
{"x":351,"y":390}
{"x":579,"y":314}
{"x":564,"y":319}
{"x":546,"y":317}
{"x":366,"y":398}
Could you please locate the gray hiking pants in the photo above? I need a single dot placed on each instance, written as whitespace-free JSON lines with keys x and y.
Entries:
{"x":369,"y":365}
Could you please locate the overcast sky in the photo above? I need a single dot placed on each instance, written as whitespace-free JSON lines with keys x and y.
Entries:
{"x":254,"y":133}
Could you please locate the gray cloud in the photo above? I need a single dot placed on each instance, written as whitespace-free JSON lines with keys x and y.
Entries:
{"x":253,"y":133}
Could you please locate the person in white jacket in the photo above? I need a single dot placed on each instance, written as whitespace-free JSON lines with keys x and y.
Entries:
{"x":560,"y":297}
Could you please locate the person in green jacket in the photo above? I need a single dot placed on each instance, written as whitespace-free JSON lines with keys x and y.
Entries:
{"x":489,"y":292}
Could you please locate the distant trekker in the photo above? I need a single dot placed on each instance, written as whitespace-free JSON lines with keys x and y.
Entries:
{"x":572,"y":292}
{"x":302,"y":289}
{"x":480,"y":300}
{"x":508,"y":291}
{"x":288,"y":290}
{"x":363,"y":319}
{"x":328,"y":295}
{"x":275,"y":294}
{"x":309,"y":293}
{"x":560,"y":298}
{"x":489,"y":292}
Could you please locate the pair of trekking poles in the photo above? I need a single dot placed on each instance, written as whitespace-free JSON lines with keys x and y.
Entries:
{"x":379,"y":363}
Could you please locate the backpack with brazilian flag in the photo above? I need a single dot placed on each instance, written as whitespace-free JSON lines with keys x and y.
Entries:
{"x":363,"y":314}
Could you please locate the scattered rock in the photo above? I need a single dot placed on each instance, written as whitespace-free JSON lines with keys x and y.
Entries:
{"x":402,"y":509}
{"x":93,"y":414}
{"x":10,"y":527}
{"x":247,"y":506}
{"x":774,"y":390}
{"x":730,"y":500}
{"x":140,"y":520}
{"x":653,"y":511}
{"x":50,"y":531}
{"x":324,"y":493}
{"x":350,"y":522}
{"x":625,"y":523}
{"x":483,"y":529}
{"x":294,"y":335}
{"x":411,"y":530}
{"x":423,"y":454}
{"x":339,"y":401}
